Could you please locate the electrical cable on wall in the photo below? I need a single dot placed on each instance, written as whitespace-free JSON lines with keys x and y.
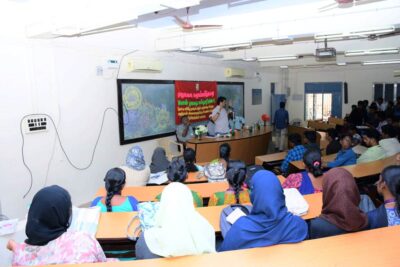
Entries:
{"x":61,"y":145}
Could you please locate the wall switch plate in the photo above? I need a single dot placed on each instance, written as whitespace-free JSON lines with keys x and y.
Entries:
{"x":35,"y":124}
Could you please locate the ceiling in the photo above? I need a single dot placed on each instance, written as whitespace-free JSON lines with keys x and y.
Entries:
{"x":270,"y":28}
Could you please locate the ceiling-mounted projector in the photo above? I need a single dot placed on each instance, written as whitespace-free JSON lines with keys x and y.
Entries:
{"x":326,"y":53}
{"x":323,"y":53}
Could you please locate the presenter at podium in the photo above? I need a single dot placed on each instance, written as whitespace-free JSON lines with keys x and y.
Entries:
{"x":220,"y":117}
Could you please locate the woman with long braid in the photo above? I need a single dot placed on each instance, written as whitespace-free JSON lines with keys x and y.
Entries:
{"x":235,"y":194}
{"x":115,"y":182}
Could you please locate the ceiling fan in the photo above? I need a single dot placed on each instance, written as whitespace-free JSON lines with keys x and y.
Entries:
{"x":346,"y":4}
{"x":187,"y":26}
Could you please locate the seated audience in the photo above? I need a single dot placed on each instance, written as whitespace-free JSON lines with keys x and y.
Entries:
{"x":357,"y":116}
{"x":115,"y":182}
{"x":189,"y":155}
{"x":374,"y":151}
{"x":310,"y":140}
{"x":310,"y":180}
{"x":355,"y":137}
{"x":48,"y":241}
{"x":269,"y":221}
{"x":179,"y":229}
{"x":381,"y":121}
{"x":388,"y":186}
{"x":184,"y":131}
{"x":295,"y":153}
{"x":340,"y":212}
{"x":235,"y":194}
{"x":137,"y":173}
{"x":176,"y":172}
{"x":334,"y":143}
{"x":224,"y":154}
{"x":372,"y":116}
{"x":159,"y":161}
{"x":346,"y":156}
{"x":389,"y":142}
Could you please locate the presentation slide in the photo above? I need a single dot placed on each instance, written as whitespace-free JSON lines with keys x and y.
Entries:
{"x":146,"y":109}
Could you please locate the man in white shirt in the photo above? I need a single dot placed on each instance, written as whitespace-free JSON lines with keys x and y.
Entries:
{"x":389,"y":141}
{"x":220,"y":117}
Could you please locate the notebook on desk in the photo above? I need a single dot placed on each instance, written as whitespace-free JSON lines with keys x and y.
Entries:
{"x":295,"y":202}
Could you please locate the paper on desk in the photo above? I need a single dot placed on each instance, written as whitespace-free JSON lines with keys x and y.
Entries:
{"x":295,"y":202}
{"x":8,"y":226}
{"x":235,"y":215}
{"x":85,"y":220}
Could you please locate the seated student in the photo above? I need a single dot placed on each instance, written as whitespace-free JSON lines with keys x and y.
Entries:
{"x":48,"y":241}
{"x":235,"y":194}
{"x":374,"y":151}
{"x":295,"y":153}
{"x":310,"y":140}
{"x":340,"y":212}
{"x":189,"y":155}
{"x":310,"y":180}
{"x":184,"y":131}
{"x":159,"y":161}
{"x":179,"y":229}
{"x":115,"y":182}
{"x":224,"y":154}
{"x":381,"y":121}
{"x":334,"y":143}
{"x":388,"y":186}
{"x":176,"y":172}
{"x":137,"y":173}
{"x":355,"y":137}
{"x":346,"y":155}
{"x":389,"y":143}
{"x":269,"y":222}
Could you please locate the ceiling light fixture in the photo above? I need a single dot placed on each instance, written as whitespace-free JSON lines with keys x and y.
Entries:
{"x":381,"y":62}
{"x":379,"y":51}
{"x":249,"y":59}
{"x":341,"y":63}
{"x":278,"y":58}
{"x":225,"y":47}
{"x":190,"y":49}
{"x":346,"y":35}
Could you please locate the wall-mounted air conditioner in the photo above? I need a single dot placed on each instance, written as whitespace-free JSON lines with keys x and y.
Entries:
{"x":396,"y":74}
{"x":231,"y":72}
{"x":144,"y":65}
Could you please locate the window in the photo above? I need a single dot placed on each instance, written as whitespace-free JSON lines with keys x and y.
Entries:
{"x":318,"y":106}
{"x":387,"y":91}
{"x":323,"y":100}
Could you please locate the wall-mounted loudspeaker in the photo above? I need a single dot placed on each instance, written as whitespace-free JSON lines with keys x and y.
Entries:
{"x":346,"y":93}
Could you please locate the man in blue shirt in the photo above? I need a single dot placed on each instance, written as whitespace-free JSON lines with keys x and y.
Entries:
{"x":344,"y":157}
{"x":281,"y":122}
{"x":296,"y":153}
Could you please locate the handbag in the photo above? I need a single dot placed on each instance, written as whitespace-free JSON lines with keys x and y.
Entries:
{"x":146,"y":217}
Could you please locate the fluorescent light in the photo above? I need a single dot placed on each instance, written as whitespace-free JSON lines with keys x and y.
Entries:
{"x":225,"y":47}
{"x":249,"y":59}
{"x":382,"y":62}
{"x":178,"y":4}
{"x":373,"y":31}
{"x":278,"y":58}
{"x":190,"y":49}
{"x":341,"y":63}
{"x":379,"y":51}
{"x":284,"y":67}
{"x":345,"y":35}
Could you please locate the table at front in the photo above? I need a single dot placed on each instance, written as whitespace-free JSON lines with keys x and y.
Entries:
{"x":245,"y":146}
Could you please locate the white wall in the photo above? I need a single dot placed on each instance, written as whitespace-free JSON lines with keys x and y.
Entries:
{"x":360,"y":80}
{"x":58,"y":77}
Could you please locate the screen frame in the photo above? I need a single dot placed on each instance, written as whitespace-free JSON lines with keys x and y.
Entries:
{"x":244,"y":98}
{"x":122,"y":140}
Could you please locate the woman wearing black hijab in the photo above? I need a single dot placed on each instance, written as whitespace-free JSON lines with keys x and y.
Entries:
{"x":159,"y":161}
{"x":48,"y":241}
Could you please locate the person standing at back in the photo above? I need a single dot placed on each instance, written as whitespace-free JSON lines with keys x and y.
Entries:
{"x":220,"y":117}
{"x":281,"y":122}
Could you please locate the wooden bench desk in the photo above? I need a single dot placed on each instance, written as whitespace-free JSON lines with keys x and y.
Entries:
{"x":299,"y":164}
{"x":367,"y":248}
{"x":149,"y":193}
{"x":270,"y":157}
{"x":112,"y":225}
{"x":372,"y":168}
